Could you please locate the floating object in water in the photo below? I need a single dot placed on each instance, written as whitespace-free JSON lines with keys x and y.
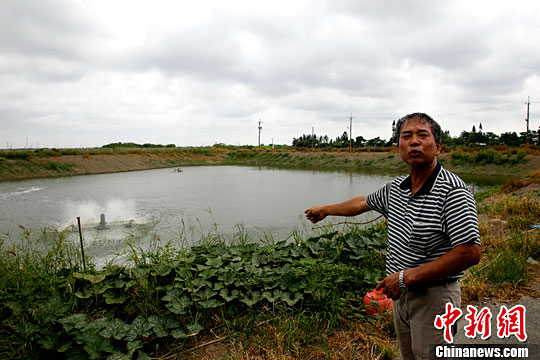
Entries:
{"x":377,"y":303}
{"x":102,"y":223}
{"x":177,"y":170}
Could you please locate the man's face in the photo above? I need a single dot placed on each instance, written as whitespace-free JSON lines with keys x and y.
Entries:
{"x":417,"y":145}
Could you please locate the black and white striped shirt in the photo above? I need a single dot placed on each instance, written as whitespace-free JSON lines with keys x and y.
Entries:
{"x":428,"y":224}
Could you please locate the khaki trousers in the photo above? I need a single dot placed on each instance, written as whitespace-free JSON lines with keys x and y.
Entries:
{"x":414,"y":314}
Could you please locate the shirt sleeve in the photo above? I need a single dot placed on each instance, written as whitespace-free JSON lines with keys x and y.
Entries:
{"x":461,"y":218}
{"x":378,"y":200}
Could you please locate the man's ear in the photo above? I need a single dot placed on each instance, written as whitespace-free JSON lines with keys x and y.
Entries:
{"x":439,"y":147}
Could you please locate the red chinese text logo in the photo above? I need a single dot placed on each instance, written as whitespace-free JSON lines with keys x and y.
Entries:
{"x":479,"y":322}
{"x":509,"y":322}
{"x":512,"y":322}
{"x":447,"y":320}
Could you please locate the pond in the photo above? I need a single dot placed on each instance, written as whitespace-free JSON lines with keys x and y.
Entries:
{"x":259,"y":202}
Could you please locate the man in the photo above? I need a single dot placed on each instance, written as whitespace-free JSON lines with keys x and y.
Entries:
{"x":432,"y":235}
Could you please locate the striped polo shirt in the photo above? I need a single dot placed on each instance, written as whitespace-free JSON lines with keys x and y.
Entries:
{"x":428,"y":224}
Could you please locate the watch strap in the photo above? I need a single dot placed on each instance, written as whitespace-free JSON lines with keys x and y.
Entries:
{"x":401,"y":280}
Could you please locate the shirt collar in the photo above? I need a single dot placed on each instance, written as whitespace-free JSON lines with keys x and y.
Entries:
{"x":428,"y":185}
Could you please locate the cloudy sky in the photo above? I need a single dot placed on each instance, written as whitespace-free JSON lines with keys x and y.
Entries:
{"x":191,"y":73}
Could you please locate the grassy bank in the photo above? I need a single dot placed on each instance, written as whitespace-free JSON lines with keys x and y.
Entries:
{"x":506,"y":214}
{"x":17,"y":165}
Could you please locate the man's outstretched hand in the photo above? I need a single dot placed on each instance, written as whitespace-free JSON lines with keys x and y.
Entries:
{"x":315,"y":214}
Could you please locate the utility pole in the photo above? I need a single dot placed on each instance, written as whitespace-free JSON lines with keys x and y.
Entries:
{"x":350,"y":133}
{"x":260,"y":128}
{"x":527,"y":120}
{"x":312,"y":136}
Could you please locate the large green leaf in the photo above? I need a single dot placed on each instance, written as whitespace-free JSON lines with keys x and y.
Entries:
{"x":179,"y":305}
{"x":272,"y":296}
{"x":182,"y":274}
{"x":94,"y":345}
{"x":51,"y":310}
{"x":228,"y":277}
{"x":210,"y":304}
{"x":75,"y":321}
{"x":292,"y":299}
{"x":215,"y":262}
{"x":141,"y":327}
{"x":218,"y":285}
{"x":178,"y":333}
{"x":208,"y":273}
{"x":96,"y":325}
{"x":235,"y":266}
{"x":252,"y":298}
{"x":111,"y":297}
{"x":172,"y":294}
{"x":198,"y":283}
{"x":162,"y":269}
{"x":162,"y":324}
{"x":93,"y":278}
{"x":206,"y":294}
{"x":116,"y":329}
{"x":229,"y":295}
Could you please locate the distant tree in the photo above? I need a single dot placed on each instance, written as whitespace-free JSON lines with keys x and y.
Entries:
{"x":473,"y":129}
{"x":491,"y":138}
{"x":446,"y":139}
{"x":377,"y":141}
{"x":359,"y":141}
{"x":509,"y":138}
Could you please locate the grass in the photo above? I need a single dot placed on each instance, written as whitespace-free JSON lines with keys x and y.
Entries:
{"x":488,"y":156}
{"x":290,"y":297}
{"x":58,"y":166}
{"x":507,"y":239}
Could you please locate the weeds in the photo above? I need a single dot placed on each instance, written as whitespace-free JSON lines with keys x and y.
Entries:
{"x":488,"y":156}
{"x":507,"y":240}
{"x":58,"y":167}
{"x":520,"y":212}
{"x":168,"y":296}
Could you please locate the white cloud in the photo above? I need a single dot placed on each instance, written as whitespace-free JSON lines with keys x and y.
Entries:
{"x":86,"y":73}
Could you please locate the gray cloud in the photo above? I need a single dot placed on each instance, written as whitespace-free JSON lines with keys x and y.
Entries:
{"x":192,"y":73}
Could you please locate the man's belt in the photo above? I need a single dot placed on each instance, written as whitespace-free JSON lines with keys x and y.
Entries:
{"x":430,"y":284}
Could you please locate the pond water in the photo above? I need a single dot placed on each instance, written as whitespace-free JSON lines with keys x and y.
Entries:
{"x":179,"y":206}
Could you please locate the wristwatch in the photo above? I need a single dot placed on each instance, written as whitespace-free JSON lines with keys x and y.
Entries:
{"x":402,"y":285}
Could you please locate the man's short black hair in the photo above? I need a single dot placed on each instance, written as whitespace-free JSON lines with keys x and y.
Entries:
{"x":435,"y":127}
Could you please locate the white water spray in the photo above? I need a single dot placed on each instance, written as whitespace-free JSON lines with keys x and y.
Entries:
{"x":90,"y":211}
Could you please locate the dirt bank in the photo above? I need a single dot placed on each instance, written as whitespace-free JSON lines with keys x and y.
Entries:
{"x":34,"y":166}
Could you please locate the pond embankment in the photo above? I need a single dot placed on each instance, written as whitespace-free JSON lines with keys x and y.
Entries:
{"x":19,"y":165}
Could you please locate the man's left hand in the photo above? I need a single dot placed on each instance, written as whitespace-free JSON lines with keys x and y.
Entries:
{"x":390,"y":286}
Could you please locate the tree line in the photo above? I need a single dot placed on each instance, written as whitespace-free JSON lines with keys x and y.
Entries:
{"x":321,"y":142}
{"x":466,"y":138}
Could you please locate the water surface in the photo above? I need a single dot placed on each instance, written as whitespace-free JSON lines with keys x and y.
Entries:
{"x":264,"y":201}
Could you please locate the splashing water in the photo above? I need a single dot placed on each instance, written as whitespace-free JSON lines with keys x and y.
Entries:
{"x":90,"y":211}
